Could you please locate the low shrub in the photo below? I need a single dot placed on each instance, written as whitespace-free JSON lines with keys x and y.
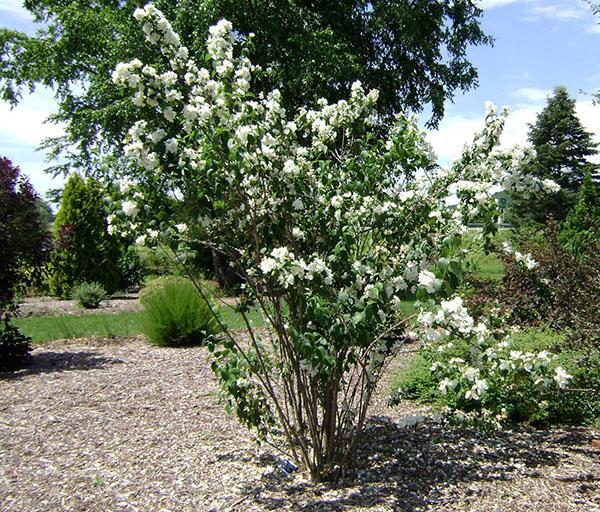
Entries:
{"x":577,"y":403}
{"x":89,"y":295}
{"x":176,"y":315}
{"x":15,"y":348}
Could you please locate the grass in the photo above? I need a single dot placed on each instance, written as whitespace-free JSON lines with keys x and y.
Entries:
{"x":487,"y":266}
{"x":48,"y":328}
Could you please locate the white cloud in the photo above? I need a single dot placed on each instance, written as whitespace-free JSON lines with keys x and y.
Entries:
{"x":456,"y":131}
{"x":14,"y":8}
{"x":22,"y":130}
{"x":556,"y":12}
{"x":589,"y":114}
{"x":593,"y":29}
{"x":489,"y":4}
{"x":532,"y":94}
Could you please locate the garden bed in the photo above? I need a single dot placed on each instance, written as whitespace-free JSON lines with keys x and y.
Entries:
{"x":49,"y":306}
{"x":100,"y":424}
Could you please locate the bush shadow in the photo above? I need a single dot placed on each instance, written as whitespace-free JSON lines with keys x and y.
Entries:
{"x":61,"y":361}
{"x":413,"y":468}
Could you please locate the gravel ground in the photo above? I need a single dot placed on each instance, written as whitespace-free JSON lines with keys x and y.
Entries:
{"x":101,"y":425}
{"x":48,"y":306}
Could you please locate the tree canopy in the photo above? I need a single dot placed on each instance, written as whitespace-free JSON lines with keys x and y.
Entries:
{"x":413,"y":51}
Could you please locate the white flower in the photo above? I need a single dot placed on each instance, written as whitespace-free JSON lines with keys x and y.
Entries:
{"x":507,"y":247}
{"x":561,"y":377}
{"x":526,"y":259}
{"x":471,"y":373}
{"x":129,"y":208}
{"x":447,"y":384}
{"x":267,"y":265}
{"x":428,"y":281}
{"x":337,"y":201}
{"x":550,"y":186}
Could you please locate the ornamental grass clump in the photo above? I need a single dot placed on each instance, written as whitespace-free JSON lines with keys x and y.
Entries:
{"x":318,"y":216}
{"x":175,"y":315}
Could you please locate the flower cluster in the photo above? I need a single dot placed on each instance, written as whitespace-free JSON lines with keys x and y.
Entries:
{"x":478,"y":370}
{"x":524,"y":259}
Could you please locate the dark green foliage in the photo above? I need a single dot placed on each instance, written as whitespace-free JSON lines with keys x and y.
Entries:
{"x":89,"y":295}
{"x":15,"y":348}
{"x":176,"y":315}
{"x":156,"y":261}
{"x":562,"y":150}
{"x":83,"y":249}
{"x":581,"y":228}
{"x":562,"y":146}
{"x":131,"y":270}
{"x":413,"y":51}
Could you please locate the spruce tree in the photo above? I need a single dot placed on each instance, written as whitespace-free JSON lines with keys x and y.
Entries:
{"x":562,"y":145}
{"x":562,"y":148}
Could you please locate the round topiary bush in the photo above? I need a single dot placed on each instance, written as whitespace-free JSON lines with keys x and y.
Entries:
{"x":176,"y":315}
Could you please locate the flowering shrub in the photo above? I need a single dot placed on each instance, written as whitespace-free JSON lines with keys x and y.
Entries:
{"x":315,"y":213}
{"x":483,"y":378}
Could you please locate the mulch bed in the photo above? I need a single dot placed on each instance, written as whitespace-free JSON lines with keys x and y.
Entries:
{"x":99,"y":425}
{"x":49,"y":306}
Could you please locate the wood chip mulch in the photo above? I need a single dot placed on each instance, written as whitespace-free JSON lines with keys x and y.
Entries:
{"x":48,"y":306}
{"x":118,"y":425}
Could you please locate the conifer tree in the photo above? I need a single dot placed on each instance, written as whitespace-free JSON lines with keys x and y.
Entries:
{"x":561,"y":143}
{"x":562,"y":149}
{"x":83,"y":249}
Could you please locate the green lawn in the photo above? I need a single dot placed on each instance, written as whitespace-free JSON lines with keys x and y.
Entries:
{"x":487,"y":266}
{"x":47,"y":328}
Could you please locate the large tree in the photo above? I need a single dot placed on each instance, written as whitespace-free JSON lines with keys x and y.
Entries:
{"x":561,"y":151}
{"x":561,"y":143}
{"x":413,"y":51}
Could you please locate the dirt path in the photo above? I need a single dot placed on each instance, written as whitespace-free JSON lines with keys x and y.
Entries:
{"x":123,"y":426}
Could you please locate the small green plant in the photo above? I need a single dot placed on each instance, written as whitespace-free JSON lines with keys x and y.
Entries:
{"x":176,"y":315}
{"x":15,"y":348}
{"x":89,"y":295}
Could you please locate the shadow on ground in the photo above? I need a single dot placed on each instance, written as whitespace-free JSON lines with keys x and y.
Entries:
{"x":62,"y":361}
{"x":413,"y":468}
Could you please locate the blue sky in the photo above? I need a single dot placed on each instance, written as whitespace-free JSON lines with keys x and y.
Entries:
{"x":539,"y":44}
